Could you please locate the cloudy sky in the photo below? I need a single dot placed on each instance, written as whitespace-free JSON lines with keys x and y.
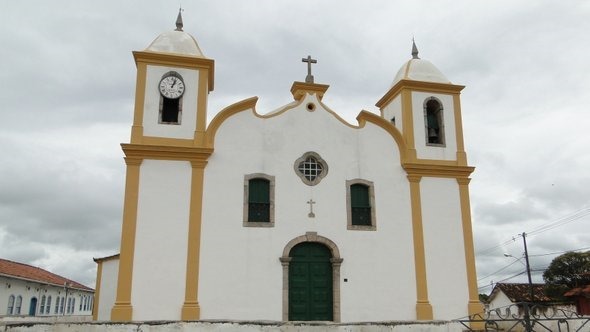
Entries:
{"x":67,"y":91}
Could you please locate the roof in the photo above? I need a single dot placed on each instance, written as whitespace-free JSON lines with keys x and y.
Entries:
{"x":520,"y":292}
{"x":176,"y":41}
{"x":420,"y":70}
{"x":579,"y":291}
{"x":32,"y":273}
{"x":106,"y":258}
{"x":417,"y":69}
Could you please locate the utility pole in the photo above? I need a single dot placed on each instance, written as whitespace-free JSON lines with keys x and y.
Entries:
{"x":527,"y":313}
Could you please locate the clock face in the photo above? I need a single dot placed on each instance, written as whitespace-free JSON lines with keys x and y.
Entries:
{"x":171,"y":87}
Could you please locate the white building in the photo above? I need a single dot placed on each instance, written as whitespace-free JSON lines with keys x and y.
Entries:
{"x":293,"y":214}
{"x":27,"y":291}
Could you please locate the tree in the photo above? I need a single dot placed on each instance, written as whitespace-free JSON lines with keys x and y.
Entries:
{"x":567,"y":271}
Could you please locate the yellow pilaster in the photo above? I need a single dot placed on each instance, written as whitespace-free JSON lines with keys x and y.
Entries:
{"x":123,"y":309}
{"x":408,"y":124}
{"x":473,"y":306}
{"x":191,"y":309}
{"x":423,"y":306}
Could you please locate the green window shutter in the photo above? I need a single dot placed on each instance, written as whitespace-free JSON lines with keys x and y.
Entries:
{"x":259,"y":200}
{"x":360,"y":204}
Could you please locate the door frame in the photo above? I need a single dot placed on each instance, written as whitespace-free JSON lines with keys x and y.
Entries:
{"x":33,"y":306}
{"x":336,"y":261}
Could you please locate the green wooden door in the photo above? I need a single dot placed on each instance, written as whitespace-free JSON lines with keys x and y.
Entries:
{"x":310,"y":282}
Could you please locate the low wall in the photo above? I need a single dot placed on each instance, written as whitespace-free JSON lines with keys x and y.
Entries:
{"x":227,"y":326}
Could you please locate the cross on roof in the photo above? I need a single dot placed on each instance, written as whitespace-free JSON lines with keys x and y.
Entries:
{"x":309,"y":60}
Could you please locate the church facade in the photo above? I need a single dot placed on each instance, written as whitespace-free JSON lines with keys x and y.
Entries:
{"x":295,"y":214}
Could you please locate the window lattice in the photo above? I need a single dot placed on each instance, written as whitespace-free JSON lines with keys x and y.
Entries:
{"x":310,"y":168}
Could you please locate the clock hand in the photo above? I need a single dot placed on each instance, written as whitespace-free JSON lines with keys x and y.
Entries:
{"x":173,"y":84}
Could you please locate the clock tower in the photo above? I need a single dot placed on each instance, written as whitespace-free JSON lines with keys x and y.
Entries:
{"x":164,"y":179}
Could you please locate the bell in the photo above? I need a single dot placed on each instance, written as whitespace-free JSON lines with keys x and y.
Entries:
{"x":432,"y":133}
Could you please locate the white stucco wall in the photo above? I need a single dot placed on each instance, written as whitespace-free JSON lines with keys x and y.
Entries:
{"x":186,"y":128}
{"x":159,"y":264}
{"x":394,"y":109}
{"x":108,"y":288}
{"x":240,"y":274}
{"x":449,"y":151}
{"x":444,"y":247}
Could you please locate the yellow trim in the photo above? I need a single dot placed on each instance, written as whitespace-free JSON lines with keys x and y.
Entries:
{"x":423,"y":306}
{"x":97,"y":290}
{"x":445,"y":88}
{"x":365,"y":116}
{"x":190,"y":308}
{"x":473,"y":306}
{"x":408,"y":123}
{"x":300,"y":89}
{"x":158,"y":152}
{"x":438,"y":170}
{"x":461,"y":155}
{"x":250,"y":104}
{"x":123,"y":310}
{"x":165,"y":141}
{"x":227,"y":112}
{"x":201,"y":125}
{"x":140,"y":86}
{"x":177,"y":60}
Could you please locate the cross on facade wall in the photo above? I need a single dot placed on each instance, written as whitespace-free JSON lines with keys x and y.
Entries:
{"x":311,"y":202}
{"x":309,"y":60}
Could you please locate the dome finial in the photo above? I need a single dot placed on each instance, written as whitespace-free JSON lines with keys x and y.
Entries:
{"x":414,"y":50}
{"x":179,"y":20}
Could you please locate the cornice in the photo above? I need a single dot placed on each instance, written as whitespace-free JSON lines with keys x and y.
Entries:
{"x":177,"y":60}
{"x":141,"y":151}
{"x":418,"y":86}
{"x":430,"y":170}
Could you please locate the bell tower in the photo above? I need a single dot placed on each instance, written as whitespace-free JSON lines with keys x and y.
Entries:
{"x":424,"y":106}
{"x":173,"y":82}
{"x":164,"y":180}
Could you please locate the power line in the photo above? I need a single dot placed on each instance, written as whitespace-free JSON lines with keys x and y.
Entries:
{"x":560,"y":252}
{"x":543,"y":228}
{"x":500,"y":270}
{"x":499,"y":281}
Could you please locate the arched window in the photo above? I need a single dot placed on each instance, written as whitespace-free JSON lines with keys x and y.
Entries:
{"x":259,"y":200}
{"x":360,"y":199}
{"x":42,"y":306}
{"x":62,"y":305}
{"x":433,"y":119}
{"x":57,"y":305}
{"x":48,"y":305}
{"x":18,"y":305}
{"x":73,"y":306}
{"x":10,"y":308}
{"x":81,"y":302}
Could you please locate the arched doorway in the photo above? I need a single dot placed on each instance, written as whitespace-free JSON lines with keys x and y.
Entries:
{"x":311,"y":279}
{"x":33,"y":307}
{"x":310,"y":282}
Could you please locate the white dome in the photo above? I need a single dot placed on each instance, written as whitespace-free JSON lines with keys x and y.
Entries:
{"x":178,"y":42}
{"x":420,"y":70}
